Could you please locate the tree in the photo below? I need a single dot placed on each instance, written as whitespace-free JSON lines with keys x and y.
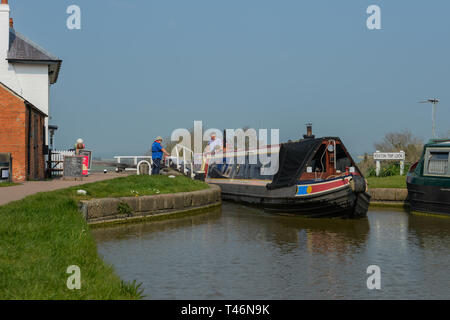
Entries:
{"x":404,"y":140}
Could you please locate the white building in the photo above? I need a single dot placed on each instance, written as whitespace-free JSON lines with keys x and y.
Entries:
{"x":25,"y":67}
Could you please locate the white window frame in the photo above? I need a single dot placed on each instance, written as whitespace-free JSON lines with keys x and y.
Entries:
{"x":426,"y":162}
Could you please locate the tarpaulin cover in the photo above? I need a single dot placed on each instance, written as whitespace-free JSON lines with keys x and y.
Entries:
{"x":294,"y":157}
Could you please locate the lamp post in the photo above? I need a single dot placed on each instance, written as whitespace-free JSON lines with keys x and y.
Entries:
{"x":433,"y":115}
{"x":52,"y":130}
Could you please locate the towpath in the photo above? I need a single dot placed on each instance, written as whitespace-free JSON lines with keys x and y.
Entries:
{"x":13,"y":193}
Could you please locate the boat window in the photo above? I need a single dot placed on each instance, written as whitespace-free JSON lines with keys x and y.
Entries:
{"x":342,"y":160}
{"x":237,"y":170}
{"x":241,"y":171}
{"x":438,"y":163}
{"x":215,"y":171}
{"x":226,"y":171}
{"x":319,"y":162}
{"x":256,"y":171}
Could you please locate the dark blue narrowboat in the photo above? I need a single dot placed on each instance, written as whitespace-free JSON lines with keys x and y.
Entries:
{"x":428,"y":180}
{"x":315,"y":177}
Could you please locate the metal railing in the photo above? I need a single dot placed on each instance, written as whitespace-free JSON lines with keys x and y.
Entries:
{"x":187,"y":153}
{"x":120,"y":166}
{"x":135,"y":158}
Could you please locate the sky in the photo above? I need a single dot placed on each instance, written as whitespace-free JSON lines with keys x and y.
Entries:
{"x":138,"y":69}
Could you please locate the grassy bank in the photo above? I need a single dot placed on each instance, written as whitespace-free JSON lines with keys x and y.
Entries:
{"x":8,"y":184}
{"x":42,"y":235}
{"x":133,"y":186}
{"x":387,"y":182}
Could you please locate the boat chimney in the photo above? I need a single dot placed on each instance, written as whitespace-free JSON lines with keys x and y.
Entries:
{"x":309,"y":134}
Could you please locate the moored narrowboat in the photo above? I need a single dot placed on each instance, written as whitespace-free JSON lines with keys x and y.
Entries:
{"x":428,"y":180}
{"x":315,"y":177}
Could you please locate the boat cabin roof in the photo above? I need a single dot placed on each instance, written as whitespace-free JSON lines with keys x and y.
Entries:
{"x":303,"y":160}
{"x":295,"y":157}
{"x":438,"y":143}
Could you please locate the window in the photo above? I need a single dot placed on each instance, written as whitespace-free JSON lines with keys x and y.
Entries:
{"x":227,"y":170}
{"x":342,"y":161}
{"x":214,"y":171}
{"x":241,"y":171}
{"x":437,"y":162}
{"x":319,"y":162}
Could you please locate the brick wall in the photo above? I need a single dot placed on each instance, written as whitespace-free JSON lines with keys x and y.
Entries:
{"x":12,"y":131}
{"x":14,"y":116}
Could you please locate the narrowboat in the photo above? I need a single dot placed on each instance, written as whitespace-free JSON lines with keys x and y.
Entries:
{"x":315,"y":177}
{"x":428,"y":180}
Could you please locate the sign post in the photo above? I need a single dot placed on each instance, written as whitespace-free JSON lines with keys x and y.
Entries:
{"x":378,"y":156}
{"x":73,"y":167}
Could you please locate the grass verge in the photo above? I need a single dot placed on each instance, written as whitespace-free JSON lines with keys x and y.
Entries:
{"x":134,"y":186}
{"x":8,"y":184}
{"x":387,"y":182}
{"x":43,"y":234}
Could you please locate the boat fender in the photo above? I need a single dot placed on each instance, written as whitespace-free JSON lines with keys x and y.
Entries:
{"x":358,"y":184}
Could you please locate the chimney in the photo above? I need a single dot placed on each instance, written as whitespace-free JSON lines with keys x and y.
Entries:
{"x":308,"y":134}
{"x":4,"y":29}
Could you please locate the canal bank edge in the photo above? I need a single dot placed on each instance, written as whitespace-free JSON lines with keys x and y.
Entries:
{"x":389,"y":197}
{"x":106,"y":211}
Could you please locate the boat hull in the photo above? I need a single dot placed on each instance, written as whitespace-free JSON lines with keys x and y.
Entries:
{"x":343,"y":203}
{"x":429,"y":198}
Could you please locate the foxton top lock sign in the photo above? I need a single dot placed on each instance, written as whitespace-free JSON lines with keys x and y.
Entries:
{"x":379,"y":156}
{"x":389,"y":155}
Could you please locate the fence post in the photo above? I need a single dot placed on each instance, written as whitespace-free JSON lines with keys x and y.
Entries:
{"x":402,"y":162}
{"x":378,"y":166}
{"x":178,"y":157}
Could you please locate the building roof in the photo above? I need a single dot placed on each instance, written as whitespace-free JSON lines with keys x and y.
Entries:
{"x":23,"y":50}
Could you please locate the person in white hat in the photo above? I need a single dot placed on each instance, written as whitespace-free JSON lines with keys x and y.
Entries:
{"x":157,"y":154}
{"x":215,"y":144}
{"x":79,"y":146}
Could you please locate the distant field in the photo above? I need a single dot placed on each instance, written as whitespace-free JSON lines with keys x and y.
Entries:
{"x":387,"y":182}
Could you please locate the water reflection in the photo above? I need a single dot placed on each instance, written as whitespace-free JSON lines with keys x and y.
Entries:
{"x":239,"y":252}
{"x":288,"y":233}
{"x":132,"y":231}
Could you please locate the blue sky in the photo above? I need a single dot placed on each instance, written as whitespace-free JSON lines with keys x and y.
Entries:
{"x":142,"y":68}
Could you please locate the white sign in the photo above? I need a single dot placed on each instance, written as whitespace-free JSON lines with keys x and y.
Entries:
{"x":400,"y":156}
{"x":5,"y":174}
{"x":389,"y":156}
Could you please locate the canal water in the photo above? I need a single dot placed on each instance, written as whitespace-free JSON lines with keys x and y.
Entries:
{"x":237,"y":252}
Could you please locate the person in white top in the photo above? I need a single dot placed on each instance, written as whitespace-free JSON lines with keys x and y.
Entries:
{"x":215,"y":144}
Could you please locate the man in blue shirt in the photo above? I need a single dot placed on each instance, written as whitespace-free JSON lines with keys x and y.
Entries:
{"x":157,"y":154}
